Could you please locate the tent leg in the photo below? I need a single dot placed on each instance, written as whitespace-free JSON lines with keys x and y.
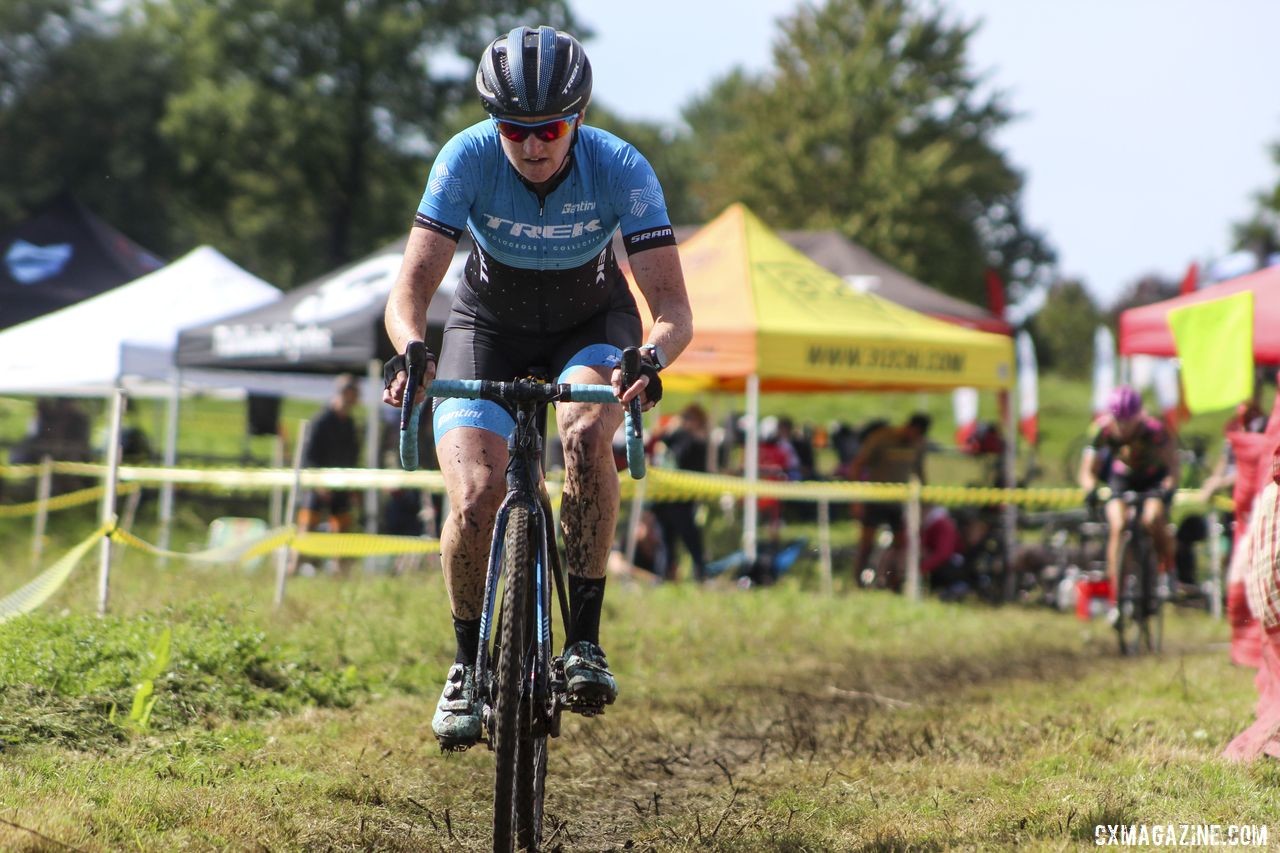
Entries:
{"x":1215,"y":562}
{"x":108,"y":514}
{"x":751,"y":467}
{"x":372,"y":447}
{"x":824,"y":544}
{"x":275,"y":509}
{"x":1009,"y":511}
{"x":44,"y":488}
{"x":283,"y":554}
{"x":913,"y":539}
{"x":170,"y":460}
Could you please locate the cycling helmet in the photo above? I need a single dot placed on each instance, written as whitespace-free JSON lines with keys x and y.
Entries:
{"x":547,"y":75}
{"x":1124,"y":402}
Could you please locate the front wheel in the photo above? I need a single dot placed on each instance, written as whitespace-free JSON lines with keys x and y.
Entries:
{"x":519,"y":737}
{"x":1131,"y":599}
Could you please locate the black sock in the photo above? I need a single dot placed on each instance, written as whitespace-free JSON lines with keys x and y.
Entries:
{"x":467,"y":632}
{"x":586,"y":597}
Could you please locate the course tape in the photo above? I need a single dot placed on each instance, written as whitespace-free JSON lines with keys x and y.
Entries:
{"x":661,"y":484}
{"x":308,"y":544}
{"x":37,"y":591}
{"x":45,"y":584}
{"x":70,"y":499}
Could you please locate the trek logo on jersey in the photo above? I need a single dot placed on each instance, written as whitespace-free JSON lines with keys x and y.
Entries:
{"x":566,"y":231}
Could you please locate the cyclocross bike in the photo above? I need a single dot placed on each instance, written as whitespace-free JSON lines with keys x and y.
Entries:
{"x":1139,"y":600}
{"x":520,"y":683}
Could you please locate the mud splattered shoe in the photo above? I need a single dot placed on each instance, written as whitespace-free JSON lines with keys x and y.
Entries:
{"x":456,"y":723}
{"x":588,"y":682}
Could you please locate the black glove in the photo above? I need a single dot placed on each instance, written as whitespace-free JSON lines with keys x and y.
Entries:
{"x":645,"y":367}
{"x":398,"y":363}
{"x":653,"y":391}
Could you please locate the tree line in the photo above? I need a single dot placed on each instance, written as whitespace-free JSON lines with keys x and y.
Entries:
{"x":296,"y":135}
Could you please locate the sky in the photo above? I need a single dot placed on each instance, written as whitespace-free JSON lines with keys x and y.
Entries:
{"x":1143,"y":126}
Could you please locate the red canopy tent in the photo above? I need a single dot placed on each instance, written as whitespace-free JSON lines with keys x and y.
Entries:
{"x":1145,"y":330}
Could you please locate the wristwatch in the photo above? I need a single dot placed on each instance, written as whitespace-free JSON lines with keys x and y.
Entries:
{"x":656,"y":356}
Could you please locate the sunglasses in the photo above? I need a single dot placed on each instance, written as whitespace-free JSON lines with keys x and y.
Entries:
{"x":546,"y":131}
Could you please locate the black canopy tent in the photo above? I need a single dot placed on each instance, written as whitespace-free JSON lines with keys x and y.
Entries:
{"x":332,"y":324}
{"x":63,"y":255}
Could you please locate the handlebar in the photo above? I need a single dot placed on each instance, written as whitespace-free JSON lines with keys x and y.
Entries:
{"x":517,"y":391}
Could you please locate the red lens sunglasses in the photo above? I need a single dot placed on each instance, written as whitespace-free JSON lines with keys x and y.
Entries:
{"x":546,"y":131}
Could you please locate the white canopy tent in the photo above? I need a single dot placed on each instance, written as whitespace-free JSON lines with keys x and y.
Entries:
{"x":126,"y":336}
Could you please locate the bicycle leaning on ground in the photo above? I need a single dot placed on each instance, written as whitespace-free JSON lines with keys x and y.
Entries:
{"x":1139,"y":597}
{"x":519,"y":682}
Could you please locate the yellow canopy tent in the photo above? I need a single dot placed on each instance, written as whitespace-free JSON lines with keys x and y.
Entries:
{"x":766,"y":317}
{"x":763,"y":309}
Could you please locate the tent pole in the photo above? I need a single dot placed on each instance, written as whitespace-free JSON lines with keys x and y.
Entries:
{"x":282,"y":554}
{"x":372,"y":447}
{"x":1009,"y":512}
{"x":275,"y":509}
{"x":108,"y":514}
{"x":913,"y":519}
{"x":751,"y":467}
{"x":824,"y":544}
{"x":170,"y":460}
{"x":1215,"y":561}
{"x":44,"y":488}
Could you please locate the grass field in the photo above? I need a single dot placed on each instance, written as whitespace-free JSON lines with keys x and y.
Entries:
{"x":771,"y":719}
{"x":774,"y":719}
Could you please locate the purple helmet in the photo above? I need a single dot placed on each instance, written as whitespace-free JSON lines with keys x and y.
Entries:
{"x":1124,"y":402}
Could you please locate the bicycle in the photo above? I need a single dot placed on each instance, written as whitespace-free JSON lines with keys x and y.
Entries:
{"x":1139,"y":604}
{"x":520,"y":684}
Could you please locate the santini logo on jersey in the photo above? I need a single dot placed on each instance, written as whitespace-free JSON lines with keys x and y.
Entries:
{"x":567,"y":231}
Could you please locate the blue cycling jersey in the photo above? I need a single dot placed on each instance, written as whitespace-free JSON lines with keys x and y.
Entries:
{"x":609,"y":185}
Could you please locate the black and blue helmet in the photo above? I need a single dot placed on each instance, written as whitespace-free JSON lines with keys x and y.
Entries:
{"x":532,"y":72}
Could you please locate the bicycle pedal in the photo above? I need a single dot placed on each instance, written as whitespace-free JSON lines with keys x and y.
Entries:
{"x":591,"y":706}
{"x":455,"y":746}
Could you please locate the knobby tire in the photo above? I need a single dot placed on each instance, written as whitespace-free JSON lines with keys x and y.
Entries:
{"x":520,"y":757}
{"x":1130,"y":601}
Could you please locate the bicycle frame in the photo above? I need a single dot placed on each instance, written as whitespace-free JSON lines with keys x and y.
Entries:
{"x":525,"y":485}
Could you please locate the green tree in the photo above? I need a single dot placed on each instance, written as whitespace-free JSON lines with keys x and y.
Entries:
{"x":1063,"y":329}
{"x":672,"y":153}
{"x":1261,"y":232}
{"x":304,"y":128}
{"x":293,"y":135}
{"x":872,"y":122}
{"x":81,"y":95}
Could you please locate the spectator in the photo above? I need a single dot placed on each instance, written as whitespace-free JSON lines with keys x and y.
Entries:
{"x":685,"y":446}
{"x":887,"y":454}
{"x":332,"y":442}
{"x":844,"y":441}
{"x":1248,"y":417}
{"x":942,"y":561}
{"x":777,"y":461}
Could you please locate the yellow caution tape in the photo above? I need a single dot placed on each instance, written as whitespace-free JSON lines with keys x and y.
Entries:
{"x":76,"y":498}
{"x":18,"y":472}
{"x":45,"y":584}
{"x":311,"y":544}
{"x":361,"y":545}
{"x":663,"y":484}
{"x":264,"y":478}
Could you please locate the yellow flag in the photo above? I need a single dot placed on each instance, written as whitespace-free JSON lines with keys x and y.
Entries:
{"x":1215,"y":348}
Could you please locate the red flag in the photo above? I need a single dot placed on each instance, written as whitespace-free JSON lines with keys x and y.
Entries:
{"x":1190,"y":280}
{"x":995,"y":293}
